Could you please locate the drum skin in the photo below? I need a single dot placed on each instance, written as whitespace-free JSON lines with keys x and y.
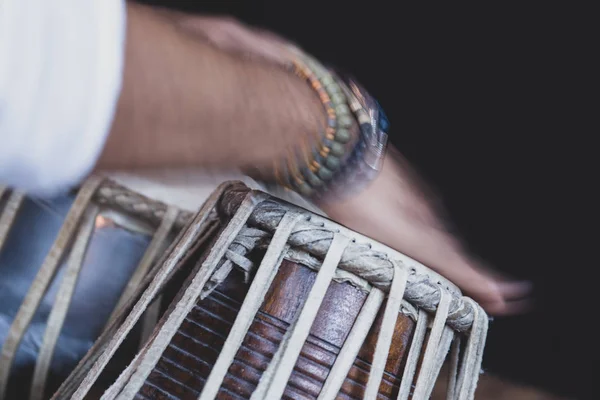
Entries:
{"x":187,"y":361}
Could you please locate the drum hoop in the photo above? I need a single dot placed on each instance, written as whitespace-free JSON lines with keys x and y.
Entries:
{"x":314,"y":236}
{"x":425,"y":285}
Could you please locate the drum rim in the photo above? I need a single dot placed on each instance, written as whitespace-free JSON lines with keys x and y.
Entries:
{"x":425,"y":287}
{"x":229,"y":196}
{"x":394,"y":254}
{"x":123,"y":198}
{"x":332,"y":226}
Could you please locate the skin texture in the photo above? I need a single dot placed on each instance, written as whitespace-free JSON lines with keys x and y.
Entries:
{"x":208,"y":91}
{"x":186,"y":103}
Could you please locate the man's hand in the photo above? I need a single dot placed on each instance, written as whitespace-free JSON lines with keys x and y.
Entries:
{"x":395,"y":211}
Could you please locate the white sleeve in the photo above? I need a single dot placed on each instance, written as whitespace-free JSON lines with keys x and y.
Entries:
{"x":61,"y":67}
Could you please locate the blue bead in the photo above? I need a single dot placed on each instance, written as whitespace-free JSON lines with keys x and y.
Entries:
{"x":325,"y":174}
{"x":366,"y":129}
{"x":384,"y":122}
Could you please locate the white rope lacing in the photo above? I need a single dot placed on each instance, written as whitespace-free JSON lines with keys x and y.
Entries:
{"x":386,"y":333}
{"x":354,"y":341}
{"x":42,"y":280}
{"x":62,"y":302}
{"x":130,"y":381}
{"x":113,"y":336}
{"x":156,"y":246}
{"x":428,"y":366}
{"x":413,"y":355}
{"x":9,"y":213}
{"x":468,"y":374}
{"x":274,"y":380}
{"x":256,"y":293}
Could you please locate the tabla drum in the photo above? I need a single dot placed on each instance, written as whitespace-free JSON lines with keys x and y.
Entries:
{"x":259,"y":299}
{"x":66,"y":265}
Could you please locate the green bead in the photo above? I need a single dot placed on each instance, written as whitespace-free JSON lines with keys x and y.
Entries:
{"x":338,"y":98}
{"x":333,"y":88}
{"x":342,"y":109}
{"x":312,"y":179}
{"x":332,"y":162}
{"x":342,"y":135}
{"x":325,"y":174}
{"x":311,"y":63}
{"x":320,"y":72}
{"x":337,"y":149}
{"x":344,"y":121}
{"x":327,"y":80}
{"x":304,"y":189}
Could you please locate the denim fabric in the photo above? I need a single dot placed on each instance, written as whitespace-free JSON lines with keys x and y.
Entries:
{"x":112,"y":256}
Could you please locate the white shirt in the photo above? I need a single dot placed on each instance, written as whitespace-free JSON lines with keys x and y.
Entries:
{"x":61,"y":67}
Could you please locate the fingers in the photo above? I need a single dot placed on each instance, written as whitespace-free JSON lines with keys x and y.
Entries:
{"x":515,"y":290}
{"x":515,"y":294}
{"x":516,"y":299}
{"x":442,"y":253}
{"x":435,"y":249}
{"x":392,"y":211}
{"x":508,"y":307}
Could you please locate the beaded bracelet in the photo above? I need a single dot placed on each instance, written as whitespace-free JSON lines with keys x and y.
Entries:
{"x":322,"y":159}
{"x":337,"y":160}
{"x":367,"y":157}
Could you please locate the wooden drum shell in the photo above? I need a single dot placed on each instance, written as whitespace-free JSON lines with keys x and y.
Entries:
{"x":185,"y":364}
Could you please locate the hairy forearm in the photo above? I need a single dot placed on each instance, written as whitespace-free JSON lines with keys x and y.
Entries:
{"x":186,"y":103}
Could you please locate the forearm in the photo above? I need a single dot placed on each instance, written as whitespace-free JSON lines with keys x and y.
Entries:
{"x":185,"y":103}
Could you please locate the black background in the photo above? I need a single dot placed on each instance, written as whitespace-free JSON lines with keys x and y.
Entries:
{"x":497,"y":107}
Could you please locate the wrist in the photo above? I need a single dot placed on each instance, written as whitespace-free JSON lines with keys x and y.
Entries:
{"x":349,"y":153}
{"x":299,"y":114}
